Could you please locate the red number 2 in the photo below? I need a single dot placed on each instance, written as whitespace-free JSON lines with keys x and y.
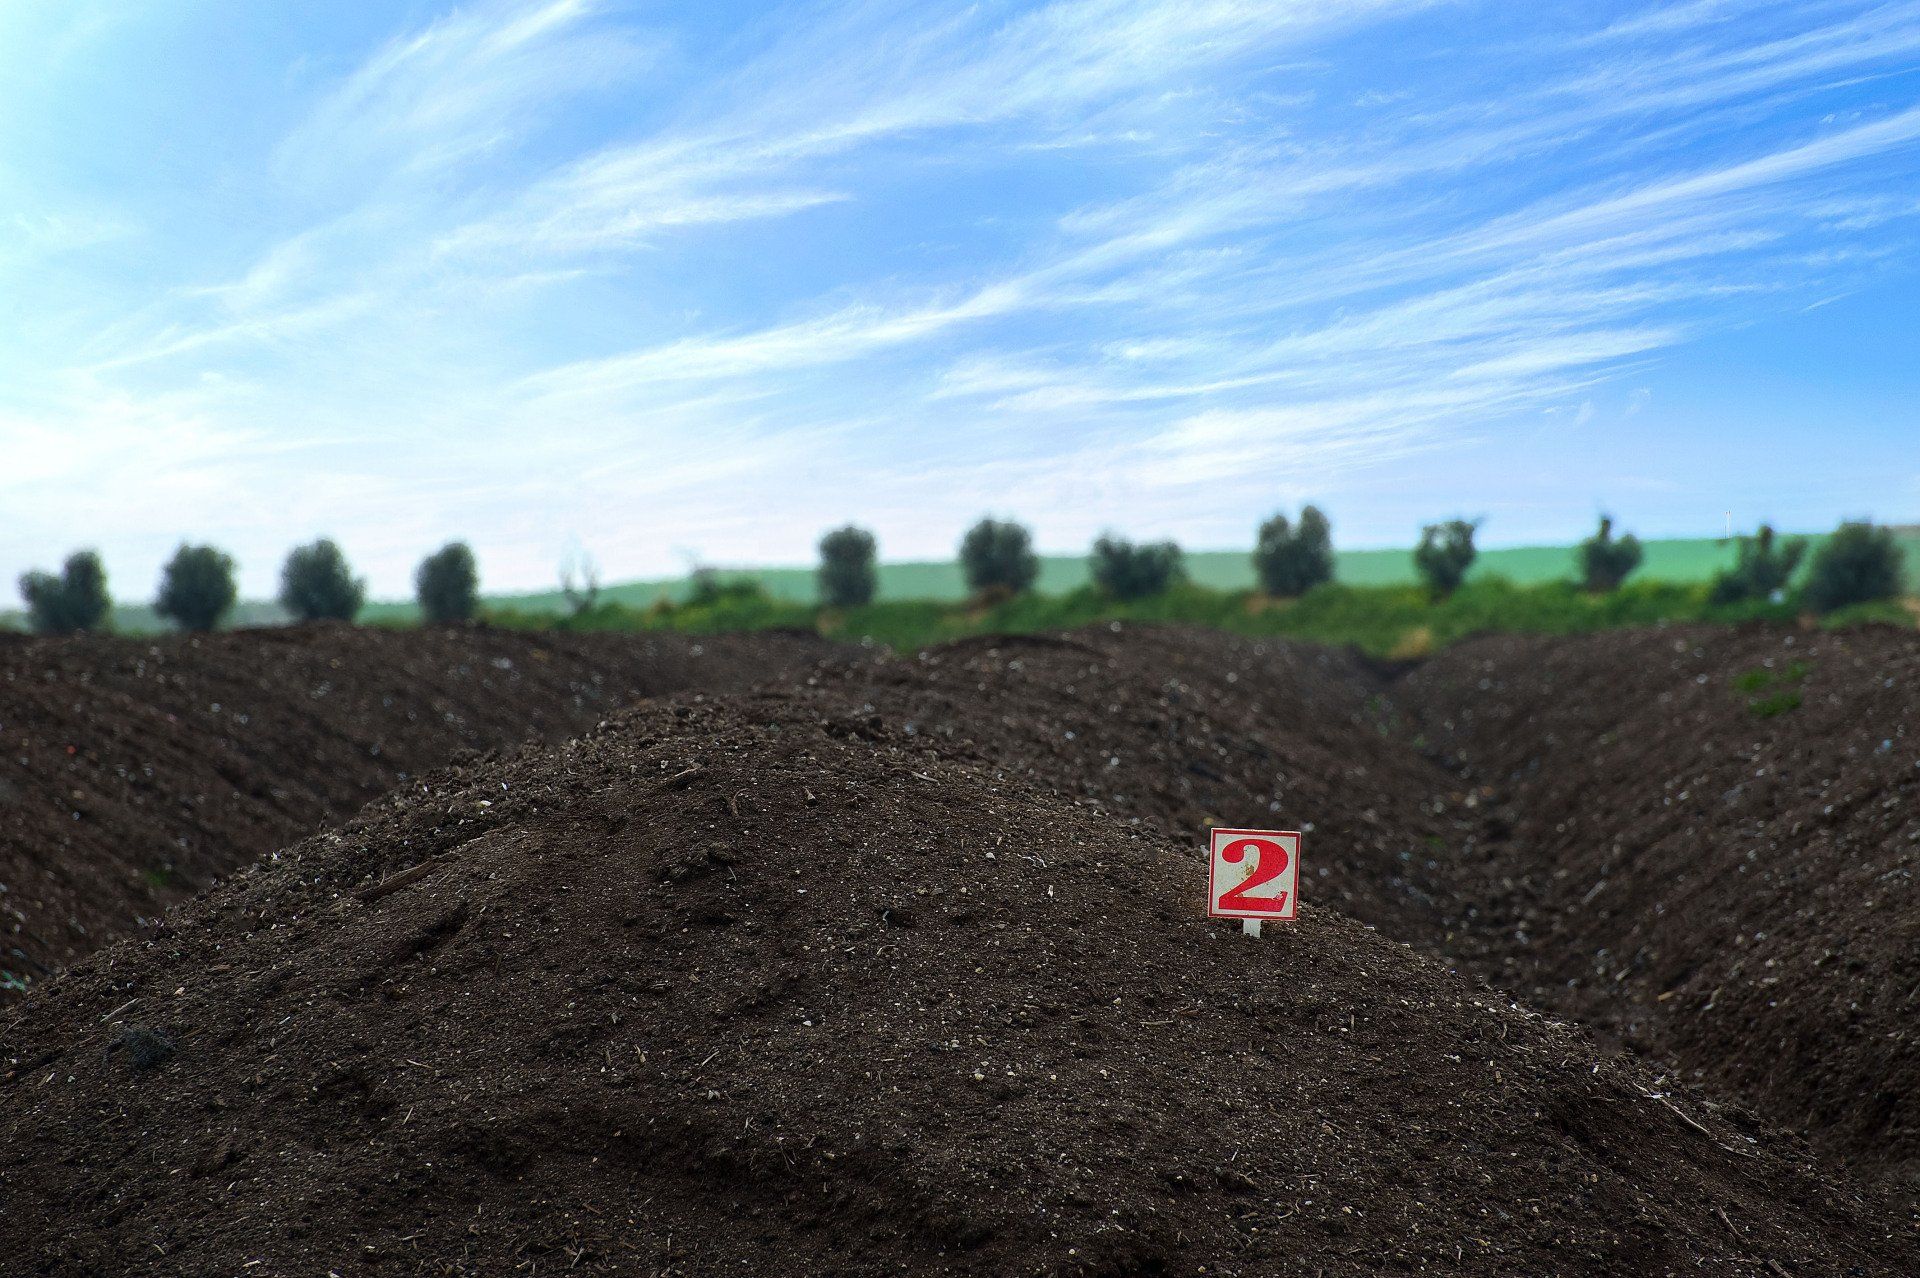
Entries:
{"x":1269,"y":863}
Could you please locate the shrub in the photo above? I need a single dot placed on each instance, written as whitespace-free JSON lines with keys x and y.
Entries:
{"x":1126,"y":571}
{"x":317,"y":585}
{"x":847,"y":575}
{"x":46,"y":600}
{"x":75,"y":600}
{"x":709,"y":587}
{"x":196,"y":589}
{"x":1762,"y":567}
{"x":1606,"y":561}
{"x":1859,"y":563}
{"x":1444,"y":554}
{"x":1291,"y":559}
{"x":997,"y":558}
{"x":447,"y":583}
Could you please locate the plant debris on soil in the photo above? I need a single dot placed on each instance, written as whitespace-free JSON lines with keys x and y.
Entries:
{"x":136,"y":772}
{"x":749,"y":987}
{"x":898,"y":965}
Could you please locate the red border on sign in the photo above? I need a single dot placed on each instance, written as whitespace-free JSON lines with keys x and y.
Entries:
{"x":1293,"y":897}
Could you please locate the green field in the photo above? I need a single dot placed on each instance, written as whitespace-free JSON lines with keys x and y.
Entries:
{"x":1678,"y":561}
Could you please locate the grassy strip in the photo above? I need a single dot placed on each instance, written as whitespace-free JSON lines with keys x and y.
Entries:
{"x":1387,"y":621}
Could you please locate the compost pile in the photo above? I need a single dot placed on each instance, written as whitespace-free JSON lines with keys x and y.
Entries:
{"x":1175,"y":730}
{"x":1707,"y":843}
{"x":757,"y":985}
{"x":138,"y":772}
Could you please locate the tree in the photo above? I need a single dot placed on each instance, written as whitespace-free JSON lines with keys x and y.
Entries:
{"x":1291,"y":559}
{"x":1859,"y":563}
{"x":447,"y":584}
{"x":46,"y":600}
{"x":1605,"y":560}
{"x":1127,"y":571}
{"x":1444,"y":554}
{"x":1761,"y":568}
{"x":997,"y":558}
{"x":317,"y":585}
{"x":196,"y":589}
{"x":75,"y":600}
{"x":847,"y":575}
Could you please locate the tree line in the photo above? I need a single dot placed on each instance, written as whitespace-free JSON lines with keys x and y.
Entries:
{"x":197,"y":589}
{"x":1859,"y":563}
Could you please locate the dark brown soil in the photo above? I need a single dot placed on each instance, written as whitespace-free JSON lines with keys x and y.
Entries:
{"x":710,"y":991}
{"x":1174,"y":730}
{"x":136,"y":772}
{"x":1599,"y":843}
{"x":1706,"y":842}
{"x":761,"y":987}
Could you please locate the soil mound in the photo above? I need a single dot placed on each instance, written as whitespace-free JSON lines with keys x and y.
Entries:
{"x":138,"y":771}
{"x":1708,"y":841}
{"x":1174,"y":729}
{"x":749,"y":986}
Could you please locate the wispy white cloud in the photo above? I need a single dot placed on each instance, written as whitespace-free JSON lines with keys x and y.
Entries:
{"x":1666,"y":20}
{"x":831,"y":339}
{"x":840,"y":90}
{"x":474,"y":81}
{"x":1551,"y":266}
{"x":28,"y":236}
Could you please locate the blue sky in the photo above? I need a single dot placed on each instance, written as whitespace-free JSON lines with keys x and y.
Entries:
{"x":674,"y":282}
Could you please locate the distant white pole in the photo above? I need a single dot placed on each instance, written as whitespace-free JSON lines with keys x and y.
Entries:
{"x":1729,"y":523}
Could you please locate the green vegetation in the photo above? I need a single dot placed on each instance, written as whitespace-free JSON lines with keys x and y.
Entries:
{"x":163,"y":877}
{"x":1290,"y":560}
{"x":1388,"y":621}
{"x":1607,"y":561}
{"x":710,"y":590}
{"x":317,"y":585}
{"x":1762,"y":569}
{"x":1444,"y":554}
{"x":1125,"y":571}
{"x":75,"y":600}
{"x":196,"y":589}
{"x":847,"y":576}
{"x":997,"y":558}
{"x":1859,"y":564}
{"x":447,"y":584}
{"x":1376,"y":604}
{"x":1680,"y":561}
{"x":1772,"y":692}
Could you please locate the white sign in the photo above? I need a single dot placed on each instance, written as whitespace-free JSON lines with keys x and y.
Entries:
{"x":1253,"y":874}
